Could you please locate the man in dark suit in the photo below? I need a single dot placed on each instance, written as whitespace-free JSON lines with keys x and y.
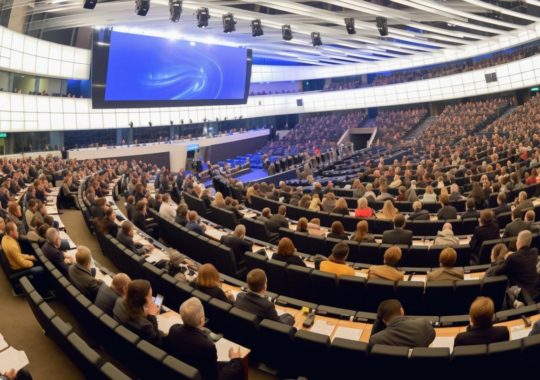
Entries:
{"x":392,"y":328}
{"x":140,"y":219}
{"x":470,"y":210}
{"x":487,"y":230}
{"x":520,"y":266}
{"x":523,"y":204}
{"x":418,"y":213}
{"x":254,"y":301}
{"x":193,"y":223}
{"x":125,"y":236}
{"x":502,"y":205}
{"x":106,"y":296}
{"x":82,"y":274}
{"x":398,"y":235}
{"x":517,"y":225}
{"x":481,"y":331}
{"x":190,"y":343}
{"x":237,"y":242}
{"x":278,"y":220}
{"x":446,"y":212}
{"x":51,"y":250}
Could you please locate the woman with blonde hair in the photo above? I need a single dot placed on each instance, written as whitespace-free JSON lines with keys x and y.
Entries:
{"x":218,"y":201}
{"x":388,"y":211}
{"x":358,"y":189}
{"x":362,"y":234}
{"x":329,"y":202}
{"x":429,"y":196}
{"x":315,"y":204}
{"x":341,"y":207}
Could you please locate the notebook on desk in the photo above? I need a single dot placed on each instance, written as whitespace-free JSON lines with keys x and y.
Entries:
{"x":443,"y":341}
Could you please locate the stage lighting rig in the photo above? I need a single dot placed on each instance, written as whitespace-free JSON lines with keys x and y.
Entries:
{"x":256,"y":28}
{"x":175,"y":9}
{"x":202,"y":17}
{"x":142,"y":7}
{"x":90,"y":4}
{"x":286,"y":32}
{"x":349,"y":25}
{"x":316,"y":39}
{"x":228,"y":23}
{"x":382,"y":25}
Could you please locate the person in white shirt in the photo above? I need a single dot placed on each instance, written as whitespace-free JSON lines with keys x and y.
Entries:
{"x":167,"y":208}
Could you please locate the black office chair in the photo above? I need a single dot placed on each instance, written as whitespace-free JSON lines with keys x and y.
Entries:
{"x":426,"y":360}
{"x":351,"y":290}
{"x":255,"y":261}
{"x":377,"y":290}
{"x":466,"y":357}
{"x":311,"y":354}
{"x":501,"y":353}
{"x":495,"y":288}
{"x":347,"y":357}
{"x":465,"y":292}
{"x":392,"y":358}
{"x":411,"y":296}
{"x":324,"y":288}
{"x":299,"y":280}
{"x":277,"y":276}
{"x":437,"y":295}
{"x":277,"y":350}
{"x":217,"y":312}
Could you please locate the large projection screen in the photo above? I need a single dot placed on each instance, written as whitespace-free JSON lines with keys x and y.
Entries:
{"x":134,"y":70}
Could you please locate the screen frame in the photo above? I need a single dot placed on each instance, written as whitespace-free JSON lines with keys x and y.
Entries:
{"x":100,"y":62}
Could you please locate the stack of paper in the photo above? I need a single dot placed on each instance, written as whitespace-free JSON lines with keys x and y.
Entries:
{"x":322,"y":327}
{"x":167,"y":320}
{"x":443,"y":341}
{"x":156,"y":255}
{"x":11,"y":358}
{"x":222,"y":346}
{"x":348,"y":333}
{"x":518,"y":332}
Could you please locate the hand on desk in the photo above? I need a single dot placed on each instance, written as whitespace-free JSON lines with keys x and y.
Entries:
{"x":234,"y":354}
{"x":229,"y":295}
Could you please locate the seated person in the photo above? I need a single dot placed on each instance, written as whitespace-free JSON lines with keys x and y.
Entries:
{"x":388,"y":271}
{"x":181,"y":214}
{"x":82,"y":275}
{"x":341,"y":207}
{"x":254,"y":301}
{"x":337,"y":231}
{"x":194,"y":224}
{"x":481,"y":329}
{"x":167,"y":208}
{"x":502,"y":206}
{"x":429,"y":195}
{"x":517,"y":225}
{"x":470,"y":210}
{"x":498,"y":252}
{"x":106,"y":296}
{"x":137,"y":311}
{"x":363,"y":210}
{"x":418,"y":213}
{"x":447,"y":272}
{"x":446,"y":212}
{"x":108,"y":224}
{"x":302,"y":225}
{"x":446,"y":237}
{"x":17,"y":260}
{"x":125,"y":236}
{"x":208,"y":281}
{"x":336,"y":263}
{"x":399,"y":235}
{"x":140,"y":219}
{"x":362,"y":234}
{"x":388,"y":211}
{"x":237,"y":243}
{"x":392,"y":328}
{"x":12,"y":374}
{"x":265,"y":216}
{"x":286,"y":252}
{"x":51,"y":250}
{"x":177,"y":264}
{"x":275,"y":222}
{"x":190,"y":343}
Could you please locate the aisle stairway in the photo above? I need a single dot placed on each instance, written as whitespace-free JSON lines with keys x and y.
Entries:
{"x":416,"y":131}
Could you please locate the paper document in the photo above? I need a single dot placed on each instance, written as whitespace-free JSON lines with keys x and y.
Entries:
{"x":518,"y":332}
{"x":107,"y":280}
{"x":11,"y":358}
{"x":156,"y":255}
{"x":167,"y":320}
{"x":418,"y":278}
{"x":359,"y":273}
{"x":51,"y":210}
{"x":71,"y":253}
{"x":443,"y":341}
{"x":348,"y":333}
{"x":222,"y":346}
{"x":322,"y":327}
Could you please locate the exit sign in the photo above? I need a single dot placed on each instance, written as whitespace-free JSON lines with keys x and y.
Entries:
{"x":3,"y":135}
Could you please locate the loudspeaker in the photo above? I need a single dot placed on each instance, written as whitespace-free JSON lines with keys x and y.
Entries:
{"x":491,"y":77}
{"x":90,"y":4}
{"x":175,"y":10}
{"x":299,"y":102}
{"x":142,"y":7}
{"x":382,"y":25}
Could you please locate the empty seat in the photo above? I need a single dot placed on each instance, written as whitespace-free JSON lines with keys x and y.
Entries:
{"x":437,"y":297}
{"x":311,"y":354}
{"x":347,"y":357}
{"x":351,"y":291}
{"x":299,"y":279}
{"x":277,"y":276}
{"x":377,"y":290}
{"x":411,"y":296}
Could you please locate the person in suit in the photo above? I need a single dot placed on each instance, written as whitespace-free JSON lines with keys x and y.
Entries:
{"x":265,"y":216}
{"x":470,"y":210}
{"x":193,"y":223}
{"x":336,"y":263}
{"x":107,"y":225}
{"x":138,"y":312}
{"x":498,"y":252}
{"x":530,"y":217}
{"x":190,"y":343}
{"x":398,"y":235}
{"x":487,"y":230}
{"x":51,"y":250}
{"x":286,"y":252}
{"x":517,"y":225}
{"x":447,"y":272}
{"x":393,"y":328}
{"x":522,"y":203}
{"x":278,"y":220}
{"x":139,"y":219}
{"x":502,"y":206}
{"x":481,"y":329}
{"x":98,"y":208}
{"x":388,"y":271}
{"x":454,"y":193}
{"x":446,"y":237}
{"x":82,"y":275}
{"x":125,"y":236}
{"x":418,"y":213}
{"x":254,"y":301}
{"x":181,"y":214}
{"x":446,"y":212}
{"x":237,"y":243}
{"x":167,"y":209}
{"x":208,"y":281}
{"x":520,"y":266}
{"x":106,"y":296}
{"x":337,"y":231}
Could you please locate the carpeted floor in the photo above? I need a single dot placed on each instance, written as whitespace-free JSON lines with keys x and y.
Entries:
{"x":22,"y":331}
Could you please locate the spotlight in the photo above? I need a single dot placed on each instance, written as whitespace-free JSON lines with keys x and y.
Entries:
{"x":175,"y":9}
{"x":316,"y":39}
{"x":202,"y":17}
{"x":142,"y":7}
{"x":382,"y":25}
{"x":256,"y":28}
{"x":90,"y":4}
{"x":349,"y":25}
{"x":228,"y":23}
{"x":286,"y":32}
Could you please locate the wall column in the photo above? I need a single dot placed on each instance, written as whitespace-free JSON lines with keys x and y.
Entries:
{"x":18,"y":16}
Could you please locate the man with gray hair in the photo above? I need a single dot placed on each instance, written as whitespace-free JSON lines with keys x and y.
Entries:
{"x":107,"y":296}
{"x":520,"y":267}
{"x":190,"y":343}
{"x":446,"y":237}
{"x":82,"y":274}
{"x":237,"y":243}
{"x":51,"y":250}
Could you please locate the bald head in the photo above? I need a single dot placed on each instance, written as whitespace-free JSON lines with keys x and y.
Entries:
{"x":83,"y":256}
{"x":240,"y":231}
{"x":120,"y":283}
{"x":447,"y":226}
{"x":524,"y":239}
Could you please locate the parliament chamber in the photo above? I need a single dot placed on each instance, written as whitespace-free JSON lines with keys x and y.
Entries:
{"x":269,"y":190}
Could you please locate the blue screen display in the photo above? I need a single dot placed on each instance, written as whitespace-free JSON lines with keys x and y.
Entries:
{"x":147,"y":68}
